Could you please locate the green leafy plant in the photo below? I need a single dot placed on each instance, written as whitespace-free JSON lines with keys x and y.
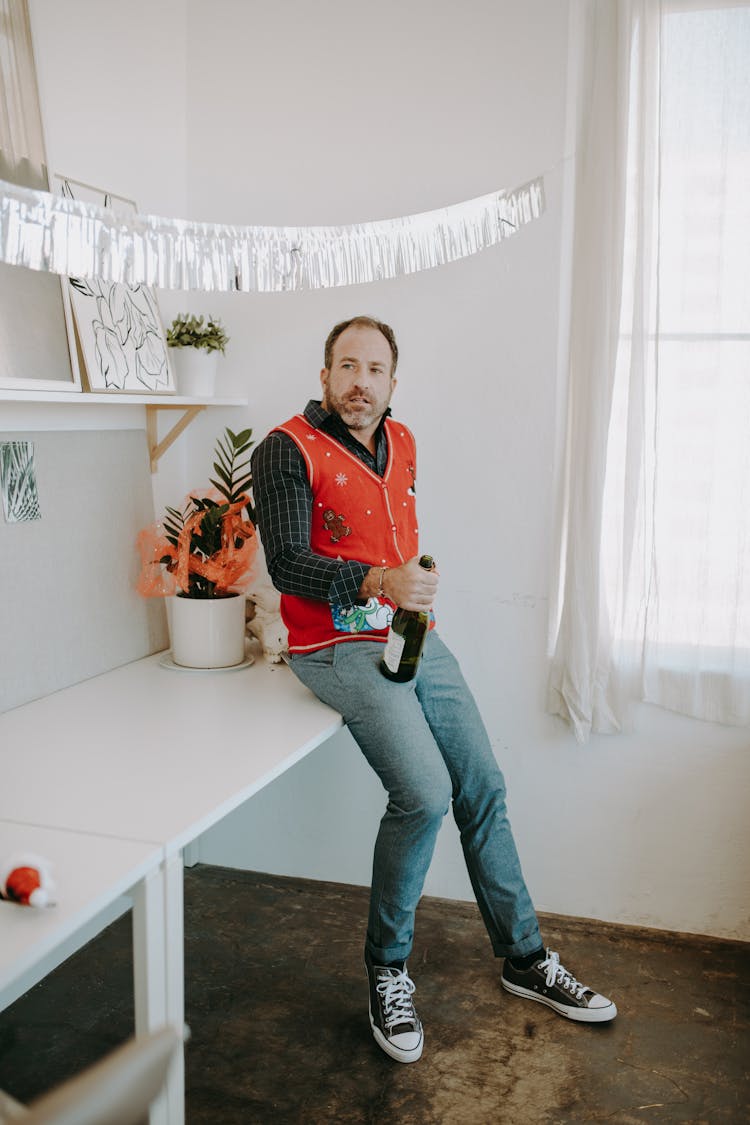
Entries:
{"x":208,"y":546}
{"x":191,"y":332}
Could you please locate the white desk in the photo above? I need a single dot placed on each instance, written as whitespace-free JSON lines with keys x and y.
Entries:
{"x":155,"y":757}
{"x":90,"y":873}
{"x":145,"y":753}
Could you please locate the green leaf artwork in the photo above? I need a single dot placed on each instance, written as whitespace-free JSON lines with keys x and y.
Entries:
{"x":18,"y":481}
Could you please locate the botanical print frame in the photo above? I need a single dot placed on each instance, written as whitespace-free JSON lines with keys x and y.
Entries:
{"x":121,"y":337}
{"x":18,"y":481}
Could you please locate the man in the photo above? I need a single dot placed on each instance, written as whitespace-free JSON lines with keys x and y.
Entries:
{"x":335,"y":498}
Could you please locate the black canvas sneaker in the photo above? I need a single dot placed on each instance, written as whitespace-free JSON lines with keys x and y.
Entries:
{"x":393,"y":1019}
{"x":549,"y":983}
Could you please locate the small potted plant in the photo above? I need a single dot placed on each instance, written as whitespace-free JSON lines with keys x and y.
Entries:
{"x":197,"y":346}
{"x":201,"y":557}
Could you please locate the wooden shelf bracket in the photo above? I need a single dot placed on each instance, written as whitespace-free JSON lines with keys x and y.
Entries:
{"x":157,"y":448}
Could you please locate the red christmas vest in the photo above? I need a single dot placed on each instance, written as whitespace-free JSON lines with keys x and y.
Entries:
{"x":356,"y":515}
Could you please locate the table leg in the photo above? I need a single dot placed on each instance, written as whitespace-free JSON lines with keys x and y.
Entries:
{"x":175,"y":979}
{"x":158,"y":964}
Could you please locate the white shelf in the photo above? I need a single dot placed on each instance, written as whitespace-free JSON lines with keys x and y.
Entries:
{"x":109,"y":398}
{"x":190,"y":407}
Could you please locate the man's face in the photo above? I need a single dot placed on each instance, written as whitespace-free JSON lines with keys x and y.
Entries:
{"x":359,"y":385}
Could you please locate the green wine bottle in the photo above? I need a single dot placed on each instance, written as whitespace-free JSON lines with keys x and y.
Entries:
{"x":406,"y":637}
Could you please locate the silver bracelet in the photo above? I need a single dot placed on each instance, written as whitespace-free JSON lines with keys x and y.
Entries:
{"x":381,"y":591}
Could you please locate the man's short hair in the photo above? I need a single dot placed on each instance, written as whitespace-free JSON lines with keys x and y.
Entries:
{"x":360,"y":322}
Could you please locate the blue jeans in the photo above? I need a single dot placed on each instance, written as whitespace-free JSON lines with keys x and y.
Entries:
{"x":427,"y":743}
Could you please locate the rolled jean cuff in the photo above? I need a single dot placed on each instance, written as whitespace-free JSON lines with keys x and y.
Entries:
{"x":384,"y":956}
{"x":519,"y":948}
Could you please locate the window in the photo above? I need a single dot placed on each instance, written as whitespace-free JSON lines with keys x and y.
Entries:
{"x":693,"y":572}
{"x":655,"y":603}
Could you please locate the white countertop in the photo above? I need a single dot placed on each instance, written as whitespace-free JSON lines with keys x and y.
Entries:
{"x":153,"y":754}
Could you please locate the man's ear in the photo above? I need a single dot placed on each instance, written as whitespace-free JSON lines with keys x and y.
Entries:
{"x":324,"y":382}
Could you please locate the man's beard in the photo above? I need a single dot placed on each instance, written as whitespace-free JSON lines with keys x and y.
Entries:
{"x":356,"y":417}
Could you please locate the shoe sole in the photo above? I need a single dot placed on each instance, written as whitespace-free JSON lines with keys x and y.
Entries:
{"x":580,"y":1015}
{"x":389,"y":1048}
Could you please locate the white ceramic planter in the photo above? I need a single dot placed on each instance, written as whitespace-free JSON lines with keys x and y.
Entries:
{"x":208,"y":632}
{"x":195,"y":371}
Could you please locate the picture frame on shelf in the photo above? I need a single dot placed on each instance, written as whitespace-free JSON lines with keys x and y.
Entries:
{"x":36,"y":352}
{"x":120,"y":338}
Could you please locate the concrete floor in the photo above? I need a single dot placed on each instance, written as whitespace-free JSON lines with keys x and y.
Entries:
{"x":277,"y":1004}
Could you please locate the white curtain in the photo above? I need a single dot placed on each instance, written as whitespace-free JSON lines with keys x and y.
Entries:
{"x":652,"y":600}
{"x":21,"y":145}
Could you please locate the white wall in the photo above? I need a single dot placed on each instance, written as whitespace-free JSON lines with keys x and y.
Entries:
{"x":112,"y":86}
{"x":343,"y":111}
{"x":113,"y":91}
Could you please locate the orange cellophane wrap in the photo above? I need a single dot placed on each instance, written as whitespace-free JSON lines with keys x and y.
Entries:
{"x":155,"y":580}
{"x":166,"y":569}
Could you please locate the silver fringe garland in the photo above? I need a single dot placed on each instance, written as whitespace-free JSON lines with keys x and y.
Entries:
{"x":61,"y":235}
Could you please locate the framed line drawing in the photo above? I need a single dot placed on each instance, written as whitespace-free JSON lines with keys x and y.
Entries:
{"x":122,"y":342}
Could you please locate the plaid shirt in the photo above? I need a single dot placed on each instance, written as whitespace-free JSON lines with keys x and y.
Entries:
{"x":284,"y":502}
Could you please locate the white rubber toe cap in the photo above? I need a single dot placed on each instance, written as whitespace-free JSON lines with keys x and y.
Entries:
{"x":405,"y":1047}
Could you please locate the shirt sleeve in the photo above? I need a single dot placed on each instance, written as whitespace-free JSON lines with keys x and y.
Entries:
{"x":283,"y":505}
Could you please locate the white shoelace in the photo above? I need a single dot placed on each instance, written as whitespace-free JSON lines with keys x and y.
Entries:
{"x":396,"y":990}
{"x":557,"y":974}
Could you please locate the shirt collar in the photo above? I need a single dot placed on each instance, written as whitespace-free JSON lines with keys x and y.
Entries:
{"x":331,"y":423}
{"x":315,"y":414}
